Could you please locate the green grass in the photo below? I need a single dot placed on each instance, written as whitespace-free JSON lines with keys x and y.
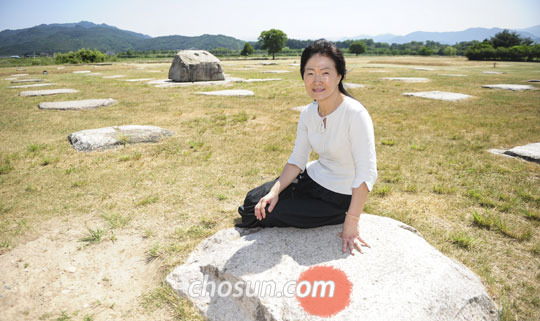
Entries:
{"x":94,"y":236}
{"x":434,"y":171}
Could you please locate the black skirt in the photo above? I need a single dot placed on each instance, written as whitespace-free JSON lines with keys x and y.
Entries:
{"x":303,"y":204}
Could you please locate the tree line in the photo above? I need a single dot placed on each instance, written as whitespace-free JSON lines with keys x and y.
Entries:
{"x":505,"y":45}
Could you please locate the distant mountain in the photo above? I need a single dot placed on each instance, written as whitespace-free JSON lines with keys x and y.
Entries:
{"x":452,"y":37}
{"x":532,"y":30}
{"x":73,"y":36}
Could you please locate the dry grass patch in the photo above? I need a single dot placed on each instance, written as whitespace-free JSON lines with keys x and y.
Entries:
{"x":434,"y":171}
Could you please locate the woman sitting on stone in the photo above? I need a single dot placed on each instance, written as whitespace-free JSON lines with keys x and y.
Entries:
{"x":334,"y":188}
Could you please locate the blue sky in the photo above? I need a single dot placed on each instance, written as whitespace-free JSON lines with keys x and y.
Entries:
{"x":299,"y":19}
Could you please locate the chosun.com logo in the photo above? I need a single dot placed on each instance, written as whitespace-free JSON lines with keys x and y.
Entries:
{"x":321,"y":290}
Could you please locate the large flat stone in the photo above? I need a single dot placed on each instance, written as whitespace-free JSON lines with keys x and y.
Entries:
{"x":19,"y":75}
{"x":510,"y":87}
{"x":401,"y":277}
{"x":25,"y":80}
{"x":232,"y":92}
{"x":275,"y":71}
{"x":82,"y":72}
{"x":530,"y":152}
{"x":260,"y":79}
{"x":112,"y":137}
{"x":113,"y":76}
{"x":139,"y":79}
{"x":31,"y":86}
{"x":407,"y":79}
{"x":439,"y":95}
{"x":349,"y":85}
{"x":78,"y":104}
{"x":493,"y":72}
{"x":31,"y":93}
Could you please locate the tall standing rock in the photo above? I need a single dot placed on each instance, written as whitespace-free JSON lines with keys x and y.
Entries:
{"x":195,"y":65}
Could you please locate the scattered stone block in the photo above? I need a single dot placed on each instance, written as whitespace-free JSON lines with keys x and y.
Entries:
{"x":30,"y":86}
{"x":499,"y":152}
{"x":78,"y":104}
{"x":11,"y":78}
{"x":510,"y":87}
{"x":294,"y":65}
{"x":268,"y":63}
{"x":401,"y":277}
{"x":19,"y":75}
{"x":81,"y":71}
{"x":454,"y":75}
{"x":237,"y":92}
{"x":349,"y":85}
{"x":439,"y":95}
{"x":138,"y":79}
{"x":94,"y":74}
{"x":423,"y":68}
{"x":195,"y":65}
{"x":113,"y":76}
{"x":260,"y":80}
{"x":534,"y":80}
{"x":60,"y":68}
{"x":25,"y":80}
{"x":530,"y":152}
{"x":406,"y":79}
{"x":32,"y":93}
{"x":493,"y":72}
{"x":275,"y":71}
{"x":112,"y":137}
{"x":165,"y":83}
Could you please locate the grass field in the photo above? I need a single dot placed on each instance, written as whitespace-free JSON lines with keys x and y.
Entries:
{"x":62,"y":210}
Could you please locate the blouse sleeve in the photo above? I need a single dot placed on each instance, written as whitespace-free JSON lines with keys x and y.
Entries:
{"x":302,"y":147}
{"x":362,"y":140}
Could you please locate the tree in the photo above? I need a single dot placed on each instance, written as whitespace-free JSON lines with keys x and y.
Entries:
{"x":273,"y":41}
{"x":357,"y":47}
{"x":505,"y":39}
{"x":248,"y":50}
{"x":425,"y":51}
{"x":449,"y":51}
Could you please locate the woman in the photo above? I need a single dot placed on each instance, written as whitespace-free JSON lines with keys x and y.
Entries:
{"x":334,"y":188}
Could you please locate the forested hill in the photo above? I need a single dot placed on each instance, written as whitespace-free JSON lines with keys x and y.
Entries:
{"x":53,"y":38}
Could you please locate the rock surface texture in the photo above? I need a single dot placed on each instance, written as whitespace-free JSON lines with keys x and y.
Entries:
{"x":77,"y":104}
{"x":401,"y":277}
{"x":439,"y":95}
{"x":530,"y":152}
{"x":407,"y":79}
{"x":195,"y":65}
{"x":510,"y":87}
{"x":112,"y":137}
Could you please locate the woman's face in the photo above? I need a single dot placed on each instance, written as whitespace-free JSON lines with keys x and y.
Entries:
{"x":321,"y":78}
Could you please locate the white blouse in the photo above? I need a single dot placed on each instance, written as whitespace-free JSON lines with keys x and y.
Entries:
{"x":346,"y":147}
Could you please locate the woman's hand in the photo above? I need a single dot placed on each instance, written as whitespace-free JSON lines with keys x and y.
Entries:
{"x":260,"y":209}
{"x":350,"y":235}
